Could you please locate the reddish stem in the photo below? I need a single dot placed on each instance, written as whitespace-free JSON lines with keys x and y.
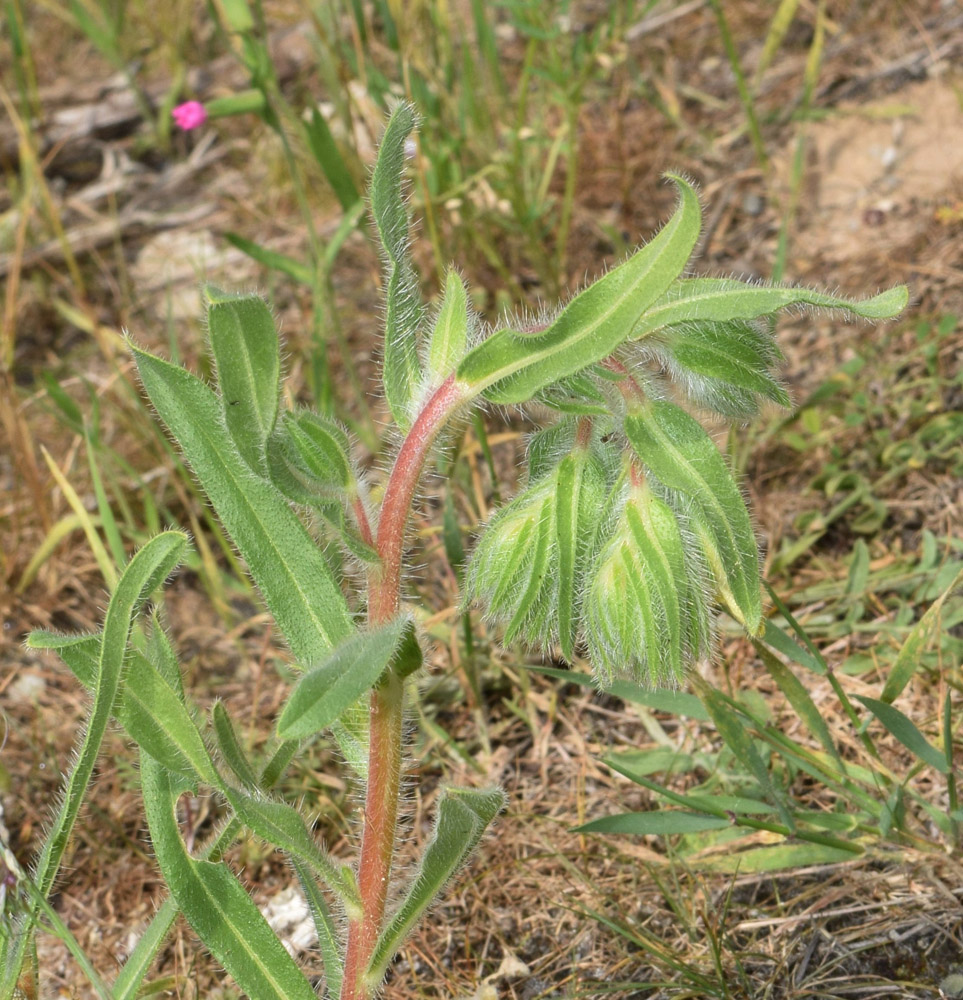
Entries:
{"x":387,"y":703}
{"x":632,"y":392}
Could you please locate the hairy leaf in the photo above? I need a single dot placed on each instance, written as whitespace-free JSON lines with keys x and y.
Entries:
{"x":463,"y":816}
{"x":244,"y":343}
{"x":450,"y":334}
{"x":287,"y":566}
{"x":349,"y":670}
{"x":216,"y":906}
{"x":403,"y":306}
{"x":641,"y":612}
{"x":511,"y":367}
{"x":689,"y":300}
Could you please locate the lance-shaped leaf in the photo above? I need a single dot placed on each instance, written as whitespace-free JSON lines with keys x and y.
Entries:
{"x":642,"y":616}
{"x":222,"y":914}
{"x":146,"y":571}
{"x":723,"y":299}
{"x":905,"y":730}
{"x":351,"y":669}
{"x":450,"y":333}
{"x":722,"y":366}
{"x":511,"y":367}
{"x":463,"y":816}
{"x":139,"y":713}
{"x":681,"y":455}
{"x":403,"y":306}
{"x":230,"y":747}
{"x":286,"y":564}
{"x":244,"y":343}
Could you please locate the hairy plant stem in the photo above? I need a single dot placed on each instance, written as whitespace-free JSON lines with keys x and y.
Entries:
{"x":387,"y":700}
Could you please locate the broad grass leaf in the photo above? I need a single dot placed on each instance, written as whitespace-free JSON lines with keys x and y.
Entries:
{"x":910,"y":657}
{"x":463,"y":816}
{"x":776,"y":857}
{"x":244,"y":343}
{"x":662,"y":823}
{"x":801,"y":701}
{"x":403,"y":306}
{"x":347,"y":672}
{"x":691,"y":300}
{"x":905,"y":730}
{"x":328,"y":156}
{"x":681,"y":455}
{"x":511,"y":367}
{"x":286,"y":564}
{"x":222,"y":914}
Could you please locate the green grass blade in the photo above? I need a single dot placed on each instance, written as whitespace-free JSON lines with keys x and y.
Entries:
{"x":216,"y":906}
{"x":909,"y":657}
{"x":294,"y":269}
{"x":900,"y":726}
{"x":403,"y":306}
{"x":463,"y":816}
{"x":797,"y":696}
{"x":244,"y":342}
{"x":661,"y":823}
{"x":329,"y":158}
{"x":511,"y":367}
{"x":691,"y":300}
{"x":286,"y":564}
{"x":350,"y":670}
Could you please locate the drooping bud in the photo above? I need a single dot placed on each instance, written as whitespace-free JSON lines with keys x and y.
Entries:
{"x":529,"y":565}
{"x":643,"y":615}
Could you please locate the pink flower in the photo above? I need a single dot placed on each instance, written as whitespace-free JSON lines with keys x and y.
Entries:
{"x":189,"y":115}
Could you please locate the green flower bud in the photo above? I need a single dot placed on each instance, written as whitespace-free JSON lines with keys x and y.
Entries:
{"x":529,"y":565}
{"x":643,"y":614}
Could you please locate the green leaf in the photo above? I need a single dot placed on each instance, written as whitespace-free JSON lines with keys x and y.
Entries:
{"x":801,"y":701}
{"x":777,"y":857}
{"x":316,"y":452}
{"x":230,"y":747}
{"x":329,"y":941}
{"x":739,"y":741}
{"x":244,"y":343}
{"x":691,"y":300}
{"x":146,"y":571}
{"x":450,"y":333}
{"x":511,"y":367}
{"x":293,"y":268}
{"x":910,"y":657}
{"x":463,"y":816}
{"x":658,"y":822}
{"x":286,"y":564}
{"x":900,"y":726}
{"x":723,"y":366}
{"x":329,"y":158}
{"x":349,"y":671}
{"x":281,"y":825}
{"x":403,"y":306}
{"x":682,"y":456}
{"x":222,"y":914}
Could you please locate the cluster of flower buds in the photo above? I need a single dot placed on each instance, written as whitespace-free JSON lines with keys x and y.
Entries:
{"x":620,"y":543}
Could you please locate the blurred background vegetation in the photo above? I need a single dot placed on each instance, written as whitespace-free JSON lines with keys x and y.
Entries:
{"x":827,"y":138}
